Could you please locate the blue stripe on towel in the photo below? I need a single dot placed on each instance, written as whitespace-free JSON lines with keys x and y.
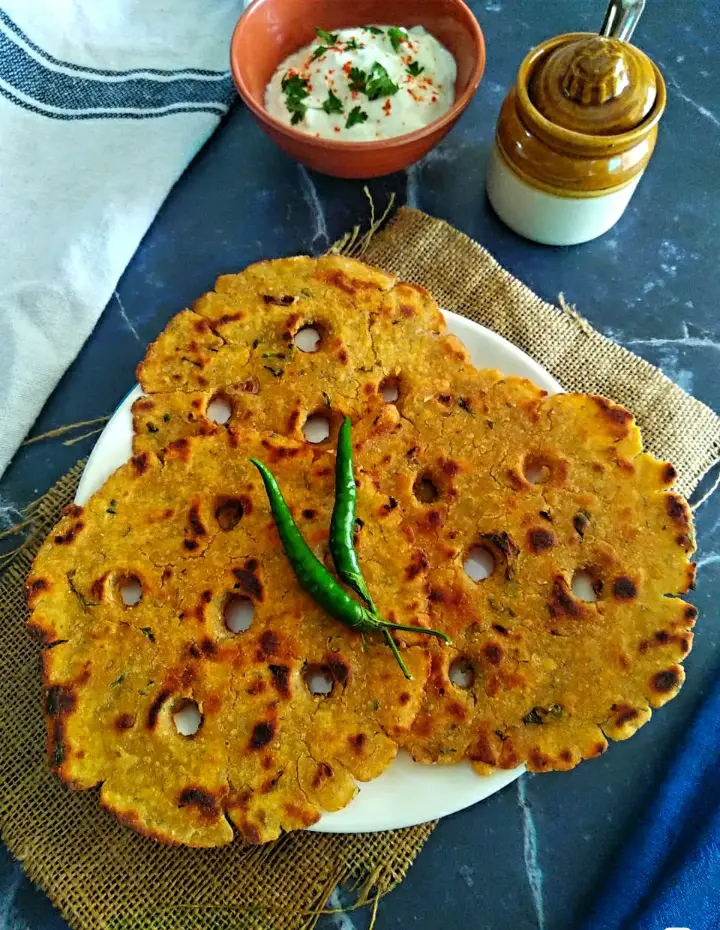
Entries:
{"x":31,"y":84}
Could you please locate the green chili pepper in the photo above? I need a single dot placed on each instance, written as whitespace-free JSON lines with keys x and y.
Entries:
{"x":317,"y":580}
{"x":342,"y":529}
{"x":342,"y":523}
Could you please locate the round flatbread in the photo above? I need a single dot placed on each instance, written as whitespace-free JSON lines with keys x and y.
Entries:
{"x":534,"y":530}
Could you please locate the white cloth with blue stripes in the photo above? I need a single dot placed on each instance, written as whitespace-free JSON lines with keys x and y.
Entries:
{"x":103,"y":103}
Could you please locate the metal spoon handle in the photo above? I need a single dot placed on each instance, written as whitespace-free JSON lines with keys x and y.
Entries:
{"x":621,"y":18}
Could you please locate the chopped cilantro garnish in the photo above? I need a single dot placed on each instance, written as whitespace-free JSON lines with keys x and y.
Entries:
{"x":379,"y":83}
{"x":375,"y":83}
{"x":146,"y":631}
{"x":356,"y":116}
{"x":294,"y":86}
{"x":374,"y":30}
{"x":358,"y":79}
{"x":330,"y":38}
{"x":118,"y":681}
{"x":414,"y":69}
{"x":298,"y":111}
{"x":296,"y":90}
{"x":396,"y":37}
{"x":320,"y":50}
{"x":353,"y":46}
{"x":166,"y":417}
{"x":333,"y":104}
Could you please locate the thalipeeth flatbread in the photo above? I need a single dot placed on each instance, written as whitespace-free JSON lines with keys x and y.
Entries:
{"x":574,"y":636}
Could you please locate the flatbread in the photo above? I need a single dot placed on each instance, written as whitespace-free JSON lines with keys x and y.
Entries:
{"x":238,"y":344}
{"x":195,"y":532}
{"x":548,"y":491}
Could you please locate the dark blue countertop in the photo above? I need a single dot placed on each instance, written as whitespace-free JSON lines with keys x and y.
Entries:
{"x":535,"y":855}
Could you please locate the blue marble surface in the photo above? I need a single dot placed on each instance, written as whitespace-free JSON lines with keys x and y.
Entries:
{"x":535,"y":855}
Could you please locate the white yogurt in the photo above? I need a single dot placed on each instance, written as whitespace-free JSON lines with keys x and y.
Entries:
{"x":389,"y":82}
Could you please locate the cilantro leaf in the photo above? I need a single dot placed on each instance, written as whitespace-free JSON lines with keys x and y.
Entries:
{"x":353,"y":46}
{"x":356,"y":116}
{"x":330,"y":38}
{"x":396,"y":37}
{"x":379,"y":83}
{"x":295,"y":86}
{"x":333,"y":104}
{"x":296,"y":90}
{"x":320,"y":50}
{"x":358,"y":79}
{"x":298,"y":110}
{"x":374,"y":30}
{"x":414,"y":69}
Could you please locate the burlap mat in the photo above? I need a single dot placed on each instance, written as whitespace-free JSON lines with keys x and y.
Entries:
{"x":101,"y":875}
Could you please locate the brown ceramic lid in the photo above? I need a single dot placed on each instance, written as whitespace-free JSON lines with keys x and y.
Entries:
{"x":595,"y":85}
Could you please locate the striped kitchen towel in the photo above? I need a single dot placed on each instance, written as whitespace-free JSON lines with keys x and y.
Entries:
{"x":103,"y":103}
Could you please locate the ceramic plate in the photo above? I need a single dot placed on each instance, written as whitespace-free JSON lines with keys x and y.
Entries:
{"x":407,"y":793}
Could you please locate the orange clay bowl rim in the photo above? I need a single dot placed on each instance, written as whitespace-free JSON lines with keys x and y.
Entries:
{"x":570,"y":135}
{"x":339,"y":145}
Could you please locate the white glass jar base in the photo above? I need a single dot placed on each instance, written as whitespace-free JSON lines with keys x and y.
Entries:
{"x":548,"y":218}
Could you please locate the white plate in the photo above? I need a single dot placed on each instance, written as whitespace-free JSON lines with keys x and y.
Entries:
{"x":406,"y":793}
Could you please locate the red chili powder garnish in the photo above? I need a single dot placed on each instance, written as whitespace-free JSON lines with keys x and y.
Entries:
{"x":387,"y":107}
{"x":347,"y":67}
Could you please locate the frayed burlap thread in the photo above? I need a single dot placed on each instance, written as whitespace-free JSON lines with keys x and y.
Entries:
{"x":105,"y":877}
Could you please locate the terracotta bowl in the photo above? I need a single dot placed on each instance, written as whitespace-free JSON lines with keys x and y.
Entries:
{"x":270,"y":30}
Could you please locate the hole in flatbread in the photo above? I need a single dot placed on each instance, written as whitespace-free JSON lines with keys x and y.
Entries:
{"x":479,"y":563}
{"x":586,"y":586}
{"x":130,"y":588}
{"x":186,"y":717}
{"x":238,"y":613}
{"x":219,"y":410}
{"x":316,"y":428}
{"x":536,"y":470}
{"x":390,"y":389}
{"x":319,"y":680}
{"x":425,"y":489}
{"x":229,"y":513}
{"x":307,"y":339}
{"x":462,"y":673}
